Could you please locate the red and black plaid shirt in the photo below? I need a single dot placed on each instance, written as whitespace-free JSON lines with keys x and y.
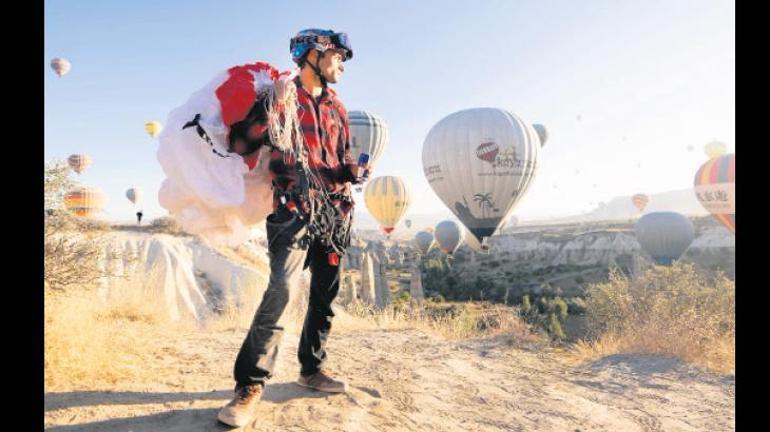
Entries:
{"x":324,"y":125}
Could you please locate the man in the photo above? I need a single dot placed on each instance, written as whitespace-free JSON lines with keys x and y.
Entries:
{"x":310,"y":223}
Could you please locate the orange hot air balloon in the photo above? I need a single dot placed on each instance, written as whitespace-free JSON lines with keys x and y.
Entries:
{"x":640,"y":201}
{"x":85,"y":201}
{"x":715,"y":188}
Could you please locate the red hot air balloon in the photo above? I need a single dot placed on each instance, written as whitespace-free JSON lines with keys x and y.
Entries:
{"x":715,"y":188}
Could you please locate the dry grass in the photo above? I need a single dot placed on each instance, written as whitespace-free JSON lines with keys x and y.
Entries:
{"x":93,"y":344}
{"x":448,"y":321}
{"x":672,"y":311}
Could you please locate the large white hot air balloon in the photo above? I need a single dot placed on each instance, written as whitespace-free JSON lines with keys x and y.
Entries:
{"x":481,"y":162}
{"x":387,"y":199}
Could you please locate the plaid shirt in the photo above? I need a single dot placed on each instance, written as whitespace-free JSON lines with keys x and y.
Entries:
{"x":326,"y":134}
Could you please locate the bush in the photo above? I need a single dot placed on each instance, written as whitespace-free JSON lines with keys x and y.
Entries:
{"x":668,"y":310}
{"x":167,"y":225}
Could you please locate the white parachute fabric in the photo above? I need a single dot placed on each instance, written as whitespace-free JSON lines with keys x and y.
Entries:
{"x":209,"y":191}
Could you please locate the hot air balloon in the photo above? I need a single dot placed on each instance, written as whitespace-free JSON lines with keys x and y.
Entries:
{"x":640,"y":201}
{"x":153,"y":128}
{"x":481,"y":162}
{"x":424,"y":240}
{"x":542,"y":133}
{"x":664,"y":235}
{"x":134,"y":195}
{"x":690,"y":148}
{"x":368,"y":134}
{"x":79,"y":162}
{"x":61,"y":66}
{"x":85,"y":201}
{"x":449,"y":236}
{"x":408,"y":223}
{"x":714,"y":149}
{"x":715,"y":188}
{"x":387,"y":199}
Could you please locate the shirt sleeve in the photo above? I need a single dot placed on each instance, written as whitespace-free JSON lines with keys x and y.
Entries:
{"x":347,"y":158}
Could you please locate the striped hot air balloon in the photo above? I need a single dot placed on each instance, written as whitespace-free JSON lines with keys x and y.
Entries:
{"x":368,"y":134}
{"x":61,"y":66}
{"x":85,"y":201}
{"x":715,"y":188}
{"x":640,"y":201}
{"x":79,"y":162}
{"x":387,"y":199}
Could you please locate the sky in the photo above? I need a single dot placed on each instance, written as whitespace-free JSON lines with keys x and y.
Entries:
{"x":623,"y":87}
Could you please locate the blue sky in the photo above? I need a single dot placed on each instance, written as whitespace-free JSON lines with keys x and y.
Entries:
{"x":648,"y":79}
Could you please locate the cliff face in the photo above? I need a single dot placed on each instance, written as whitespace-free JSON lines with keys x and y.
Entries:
{"x":189,"y":276}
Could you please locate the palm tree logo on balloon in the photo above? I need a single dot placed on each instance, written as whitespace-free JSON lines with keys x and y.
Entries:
{"x":485,"y":203}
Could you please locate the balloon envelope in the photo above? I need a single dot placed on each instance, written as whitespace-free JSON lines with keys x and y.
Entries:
{"x":715,"y":188}
{"x":424,"y":240}
{"x":85,"y":201}
{"x":640,"y":201}
{"x":153,"y":128}
{"x":449,"y":236}
{"x":61,"y":66}
{"x":368,"y":134}
{"x":664,"y":235}
{"x":79,"y":162}
{"x":714,"y":149}
{"x":134,"y":195}
{"x":481,"y":162}
{"x":387,"y":199}
{"x":542,"y":133}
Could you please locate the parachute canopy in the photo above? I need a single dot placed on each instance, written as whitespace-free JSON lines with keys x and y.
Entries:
{"x":481,"y":162}
{"x":61,"y":66}
{"x":85,"y":201}
{"x":79,"y":162}
{"x":449,"y":236}
{"x":715,"y":188}
{"x":664,"y":235}
{"x":387,"y":199}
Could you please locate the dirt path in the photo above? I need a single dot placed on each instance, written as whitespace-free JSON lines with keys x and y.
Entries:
{"x":409,"y":381}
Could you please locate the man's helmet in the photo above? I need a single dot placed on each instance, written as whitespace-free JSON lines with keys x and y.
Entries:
{"x":321,"y":40}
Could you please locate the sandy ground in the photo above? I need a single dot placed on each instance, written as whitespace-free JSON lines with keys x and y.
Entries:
{"x":407,"y":380}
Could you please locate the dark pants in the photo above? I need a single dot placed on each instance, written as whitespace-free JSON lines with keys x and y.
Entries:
{"x":256,"y":360}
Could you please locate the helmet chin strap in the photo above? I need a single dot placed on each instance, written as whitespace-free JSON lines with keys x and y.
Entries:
{"x":317,"y":69}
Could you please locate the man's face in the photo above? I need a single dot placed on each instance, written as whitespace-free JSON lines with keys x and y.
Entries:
{"x":331,"y":66}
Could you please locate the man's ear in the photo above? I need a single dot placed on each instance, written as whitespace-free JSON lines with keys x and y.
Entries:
{"x":312,"y":56}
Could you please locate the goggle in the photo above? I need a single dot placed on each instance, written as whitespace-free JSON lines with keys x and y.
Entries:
{"x":336,"y":40}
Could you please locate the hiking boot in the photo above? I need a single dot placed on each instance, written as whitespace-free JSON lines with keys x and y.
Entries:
{"x":323,"y":381}
{"x":239,"y":411}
